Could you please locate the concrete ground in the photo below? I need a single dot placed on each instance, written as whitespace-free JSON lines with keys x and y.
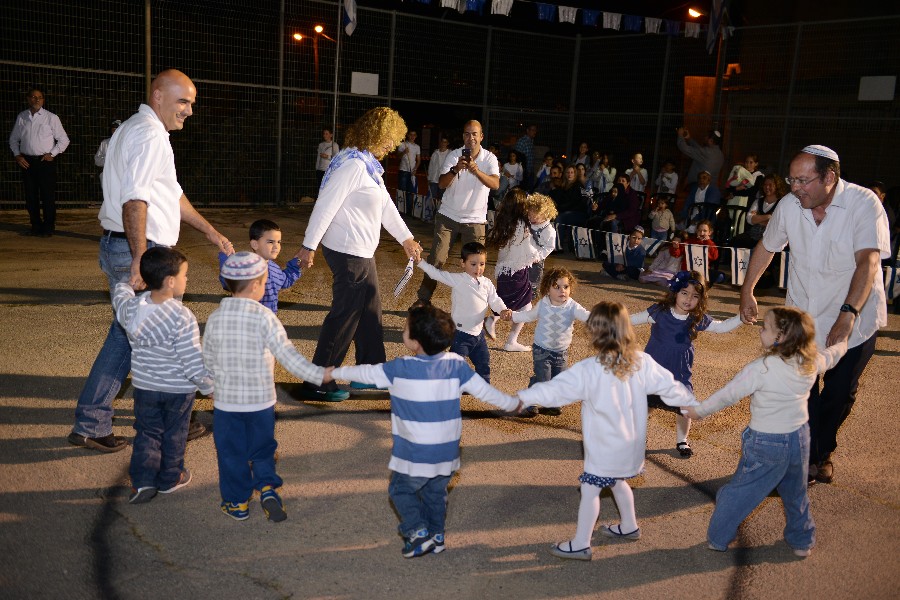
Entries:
{"x":67,"y":531}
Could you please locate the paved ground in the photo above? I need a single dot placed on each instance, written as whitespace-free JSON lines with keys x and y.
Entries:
{"x":66,"y":529}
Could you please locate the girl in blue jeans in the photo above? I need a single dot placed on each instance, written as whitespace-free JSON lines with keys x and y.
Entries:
{"x":775,"y":446}
{"x":555,"y":313}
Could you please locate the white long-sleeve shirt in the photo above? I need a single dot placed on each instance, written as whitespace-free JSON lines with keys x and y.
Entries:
{"x":350,"y":212}
{"x":778,"y":391}
{"x":38,"y":134}
{"x":469,"y":297}
{"x":715,"y":326}
{"x":613,"y":411}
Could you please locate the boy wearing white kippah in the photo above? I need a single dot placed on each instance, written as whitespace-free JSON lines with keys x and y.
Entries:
{"x":241,"y":342}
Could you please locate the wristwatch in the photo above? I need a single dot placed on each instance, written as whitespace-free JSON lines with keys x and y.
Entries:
{"x":850,"y":309}
{"x":454,"y":171}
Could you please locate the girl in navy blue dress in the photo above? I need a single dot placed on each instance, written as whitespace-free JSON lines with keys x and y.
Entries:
{"x":675,"y":322}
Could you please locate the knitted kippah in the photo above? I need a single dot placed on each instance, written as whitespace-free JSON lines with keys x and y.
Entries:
{"x":243,"y":265}
{"x":823,"y":151}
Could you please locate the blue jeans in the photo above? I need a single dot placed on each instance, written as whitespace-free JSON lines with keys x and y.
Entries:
{"x":161,"y":422}
{"x":474,"y":347}
{"x":405,"y":183}
{"x":768,"y":461}
{"x":421,"y":502}
{"x":547,"y":364}
{"x":245,"y":451}
{"x":94,"y":411}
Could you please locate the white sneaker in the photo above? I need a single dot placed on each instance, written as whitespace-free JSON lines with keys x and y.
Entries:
{"x":516,"y":347}
{"x":490,"y":327}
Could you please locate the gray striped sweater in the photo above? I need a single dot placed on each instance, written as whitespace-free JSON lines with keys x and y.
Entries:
{"x":165,"y":343}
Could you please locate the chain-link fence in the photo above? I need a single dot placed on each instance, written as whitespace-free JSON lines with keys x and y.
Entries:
{"x":264,"y":97}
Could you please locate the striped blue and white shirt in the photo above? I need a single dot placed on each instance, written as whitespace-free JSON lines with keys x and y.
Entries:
{"x":165,"y":343}
{"x":426,"y":420}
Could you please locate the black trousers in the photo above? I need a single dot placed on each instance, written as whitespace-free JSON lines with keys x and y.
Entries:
{"x":829,"y":407}
{"x":40,"y":192}
{"x":355,"y":314}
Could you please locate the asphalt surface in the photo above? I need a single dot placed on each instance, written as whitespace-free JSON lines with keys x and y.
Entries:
{"x":67,"y":531}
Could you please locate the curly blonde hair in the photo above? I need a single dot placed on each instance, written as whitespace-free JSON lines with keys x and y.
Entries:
{"x":370,"y":131}
{"x":796,"y":338}
{"x":541,"y":205}
{"x":613,"y":338}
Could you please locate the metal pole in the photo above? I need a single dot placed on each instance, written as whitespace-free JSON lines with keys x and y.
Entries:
{"x":573,"y":89}
{"x":390,"y":87}
{"x":790,"y":97}
{"x":659,"y":113}
{"x":486,"y":82}
{"x":148,"y":47}
{"x":337,"y":64}
{"x":279,"y":115}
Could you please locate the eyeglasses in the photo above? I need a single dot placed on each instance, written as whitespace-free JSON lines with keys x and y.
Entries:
{"x":36,"y":97}
{"x":800,"y":181}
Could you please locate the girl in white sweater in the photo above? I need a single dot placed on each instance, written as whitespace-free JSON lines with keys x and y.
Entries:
{"x":775,"y":446}
{"x":612,"y":387}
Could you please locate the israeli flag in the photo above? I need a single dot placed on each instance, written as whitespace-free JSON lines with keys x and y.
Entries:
{"x":584,"y":245}
{"x":615,"y":248}
{"x":891,"y":282}
{"x":428,"y":209}
{"x":698,"y":259}
{"x":740,"y":260}
{"x":490,"y":219}
{"x":417,"y":206}
{"x":557,"y":243}
{"x":401,"y":201}
{"x":651,"y":245}
{"x":349,"y":16}
{"x":785,"y":267}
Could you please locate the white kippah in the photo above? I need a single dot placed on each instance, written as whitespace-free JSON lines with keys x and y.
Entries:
{"x":243,"y":265}
{"x":823,"y":151}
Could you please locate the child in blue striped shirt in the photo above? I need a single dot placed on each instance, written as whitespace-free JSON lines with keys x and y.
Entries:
{"x":426,"y":422}
{"x":265,"y":240}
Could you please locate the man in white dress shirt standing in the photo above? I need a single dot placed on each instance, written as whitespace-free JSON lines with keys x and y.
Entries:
{"x":37,"y":138}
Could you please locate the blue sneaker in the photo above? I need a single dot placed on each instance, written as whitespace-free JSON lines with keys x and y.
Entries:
{"x":356,"y":385}
{"x":239,"y":511}
{"x":438,"y":540}
{"x":271,"y":504}
{"x":418,"y":544}
{"x":320,"y":395}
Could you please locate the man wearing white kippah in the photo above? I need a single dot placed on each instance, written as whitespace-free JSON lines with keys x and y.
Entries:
{"x":838,"y":234}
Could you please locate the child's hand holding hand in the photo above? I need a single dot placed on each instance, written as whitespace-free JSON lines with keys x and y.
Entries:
{"x":327,"y":378}
{"x":690,"y":412}
{"x":506,"y":315}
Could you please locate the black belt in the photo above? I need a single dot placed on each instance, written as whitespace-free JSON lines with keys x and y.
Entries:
{"x":116,"y":234}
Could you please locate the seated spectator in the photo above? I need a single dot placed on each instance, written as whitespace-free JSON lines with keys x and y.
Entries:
{"x":637,"y":174}
{"x":605,"y":175}
{"x":635,"y":253}
{"x":701,"y":192}
{"x":743,"y":182}
{"x":627,"y":206}
{"x":552,"y":182}
{"x":667,"y":180}
{"x":544,"y":172}
{"x":760,"y":210}
{"x":666,"y":263}
{"x":703,"y":237}
{"x":662,"y":221}
{"x":572,"y":207}
{"x":583,"y":157}
{"x":510,"y":175}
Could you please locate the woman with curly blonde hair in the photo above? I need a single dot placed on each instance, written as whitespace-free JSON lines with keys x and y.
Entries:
{"x":352,"y":206}
{"x":612,"y":387}
{"x":775,"y":445}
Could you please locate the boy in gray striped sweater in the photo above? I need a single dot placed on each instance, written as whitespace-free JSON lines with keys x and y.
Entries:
{"x":166,"y":371}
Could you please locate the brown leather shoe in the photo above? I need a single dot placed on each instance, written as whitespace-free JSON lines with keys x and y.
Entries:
{"x":826,"y":472}
{"x":108,"y":443}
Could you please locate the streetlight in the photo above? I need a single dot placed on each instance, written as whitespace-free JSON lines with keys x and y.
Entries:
{"x":319,"y":32}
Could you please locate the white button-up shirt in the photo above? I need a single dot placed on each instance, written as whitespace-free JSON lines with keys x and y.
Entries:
{"x":466,"y":200}
{"x":140,"y":165}
{"x":822,"y":257}
{"x":38,"y":134}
